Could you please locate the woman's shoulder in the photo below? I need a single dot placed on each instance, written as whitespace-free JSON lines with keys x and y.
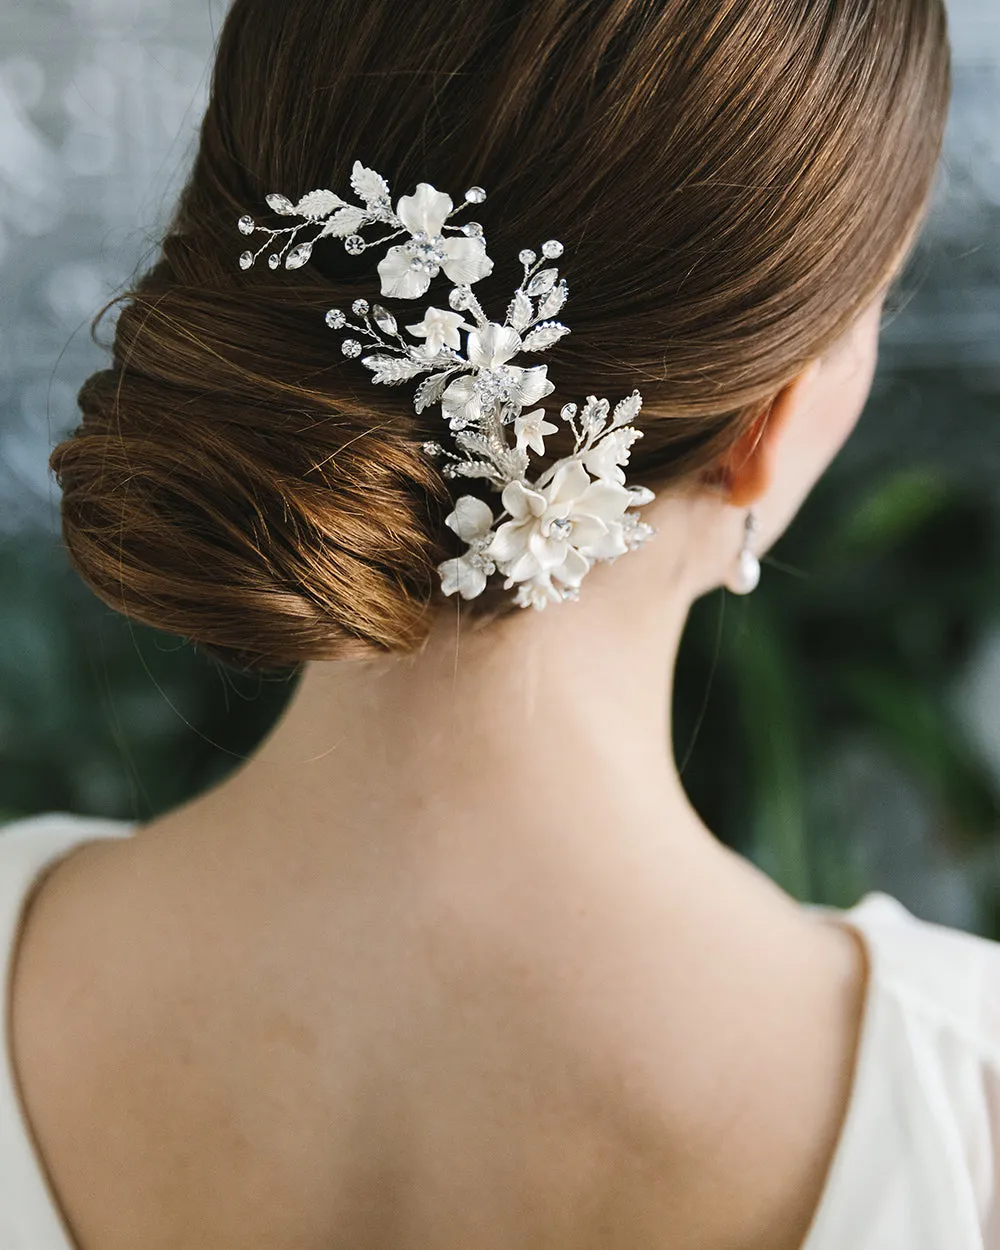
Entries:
{"x":947,"y":977}
{"x":916,"y":1157}
{"x":29,"y":1215}
{"x":31,"y":846}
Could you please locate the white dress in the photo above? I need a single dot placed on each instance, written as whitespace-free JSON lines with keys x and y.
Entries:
{"x":916,"y":1166}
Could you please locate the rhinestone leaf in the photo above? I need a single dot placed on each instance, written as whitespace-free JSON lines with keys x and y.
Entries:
{"x":281,"y":204}
{"x":384,"y":319}
{"x":246,"y":260}
{"x":475,"y":195}
{"x":274,"y":260}
{"x":351,"y":347}
{"x":552,"y":248}
{"x":335,"y":319}
{"x":247,"y":225}
{"x":298,"y":256}
{"x":543,"y":282}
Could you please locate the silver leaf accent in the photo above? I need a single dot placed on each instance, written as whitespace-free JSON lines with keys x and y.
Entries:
{"x":318,"y":204}
{"x":543,"y":336}
{"x":367,"y":184}
{"x":555,"y":299}
{"x":345,"y":221}
{"x":430,"y":391}
{"x":520,"y":311}
{"x":473,"y":443}
{"x":391,"y":370}
{"x":626,"y":410}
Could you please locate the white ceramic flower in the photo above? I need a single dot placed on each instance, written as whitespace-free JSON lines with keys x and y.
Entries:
{"x":530,"y":429}
{"x":614,"y":449}
{"x":561,"y":528}
{"x":537,"y":593}
{"x":440,"y":327}
{"x":472,"y":521}
{"x":495,"y":382}
{"x":424,"y":213}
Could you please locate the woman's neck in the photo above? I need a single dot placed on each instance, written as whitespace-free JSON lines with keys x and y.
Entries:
{"x":541,"y":720}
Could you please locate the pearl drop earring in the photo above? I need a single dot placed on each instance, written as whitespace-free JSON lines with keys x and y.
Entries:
{"x":745,"y":574}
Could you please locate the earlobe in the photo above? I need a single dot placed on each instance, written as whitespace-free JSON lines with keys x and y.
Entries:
{"x":749,"y":466}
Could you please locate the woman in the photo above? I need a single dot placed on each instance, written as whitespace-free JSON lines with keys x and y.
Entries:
{"x":451,"y":961}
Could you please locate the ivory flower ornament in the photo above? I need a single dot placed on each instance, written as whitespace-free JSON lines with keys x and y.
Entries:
{"x":578,"y":511}
{"x":424,"y":215}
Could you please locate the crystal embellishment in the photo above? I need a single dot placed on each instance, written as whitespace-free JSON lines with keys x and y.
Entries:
{"x":551,"y":528}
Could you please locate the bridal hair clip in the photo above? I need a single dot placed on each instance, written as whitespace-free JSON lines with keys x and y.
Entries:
{"x":579,"y":510}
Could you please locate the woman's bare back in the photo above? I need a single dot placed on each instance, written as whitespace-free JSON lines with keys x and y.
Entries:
{"x":212,"y":1054}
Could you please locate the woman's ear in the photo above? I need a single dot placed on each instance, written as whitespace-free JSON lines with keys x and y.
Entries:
{"x":749,"y":466}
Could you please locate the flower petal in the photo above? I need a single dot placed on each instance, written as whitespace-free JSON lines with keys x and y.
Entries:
{"x":471,"y":520}
{"x":530,"y":429}
{"x":522,"y":502}
{"x":493,"y":345}
{"x":467,"y":260}
{"x":459,"y":404}
{"x":609,"y":546}
{"x":398,"y":279}
{"x":510,"y":542}
{"x":536,"y":593}
{"x":440,"y":328}
{"x":603,"y":499}
{"x":573,"y":570}
{"x":527,"y":566}
{"x":568,"y":483}
{"x":533,"y":385}
{"x":462,"y":576}
{"x":549,"y":552}
{"x":587,"y":530}
{"x":425,"y":210}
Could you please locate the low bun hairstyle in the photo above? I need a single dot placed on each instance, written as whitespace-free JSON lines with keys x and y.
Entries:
{"x":734,"y":181}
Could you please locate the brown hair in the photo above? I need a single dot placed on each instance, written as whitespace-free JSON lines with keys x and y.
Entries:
{"x":732,"y":179}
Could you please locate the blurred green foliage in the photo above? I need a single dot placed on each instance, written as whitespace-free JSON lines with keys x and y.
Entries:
{"x":868,"y":611}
